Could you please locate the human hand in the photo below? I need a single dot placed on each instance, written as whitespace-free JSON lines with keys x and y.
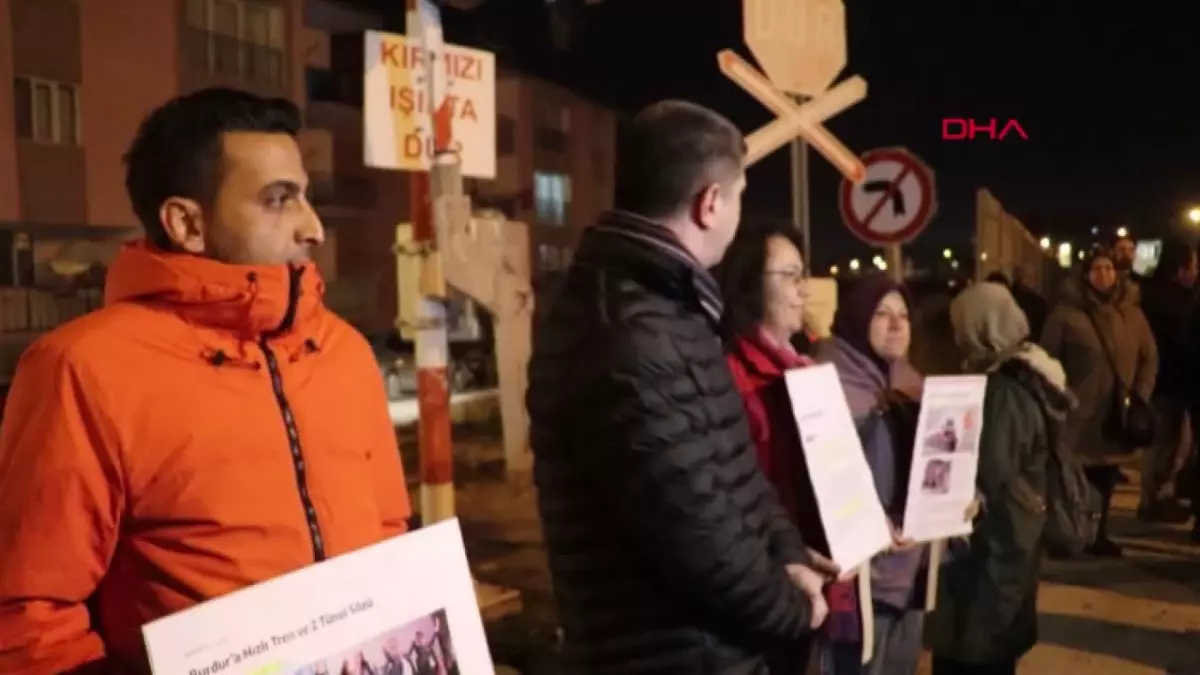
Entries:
{"x":811,"y":584}
{"x":830,"y":569}
{"x":973,"y":509}
{"x":823,"y":565}
{"x":899,"y":541}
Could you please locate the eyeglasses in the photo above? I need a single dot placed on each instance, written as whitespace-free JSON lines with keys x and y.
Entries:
{"x":796,"y":277}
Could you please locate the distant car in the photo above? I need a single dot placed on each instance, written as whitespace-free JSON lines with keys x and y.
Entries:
{"x":470,"y":368}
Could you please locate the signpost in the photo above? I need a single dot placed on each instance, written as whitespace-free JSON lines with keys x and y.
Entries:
{"x":402,"y":92}
{"x":892,"y":205}
{"x":430,"y":109}
{"x":801,"y":46}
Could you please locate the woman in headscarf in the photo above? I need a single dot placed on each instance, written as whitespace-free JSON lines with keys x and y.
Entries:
{"x":986,"y":615}
{"x":764,"y":283}
{"x":869,"y":347}
{"x":1099,"y":324}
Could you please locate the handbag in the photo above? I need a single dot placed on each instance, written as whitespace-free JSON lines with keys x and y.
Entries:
{"x":1131,"y":421}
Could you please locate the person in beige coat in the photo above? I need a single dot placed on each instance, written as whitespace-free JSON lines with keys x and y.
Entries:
{"x":1099,"y":314}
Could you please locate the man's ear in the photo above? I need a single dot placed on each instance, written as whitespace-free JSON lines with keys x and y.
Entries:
{"x":183,"y":221}
{"x":704,"y":206}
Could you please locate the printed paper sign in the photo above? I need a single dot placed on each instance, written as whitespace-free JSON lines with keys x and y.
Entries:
{"x":404,"y":606}
{"x":945,"y":458}
{"x":854,"y":521}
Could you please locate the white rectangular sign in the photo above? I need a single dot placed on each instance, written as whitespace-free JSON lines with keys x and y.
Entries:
{"x":398,"y":112}
{"x":406,"y":605}
{"x":855,"y":524}
{"x":945,"y":458}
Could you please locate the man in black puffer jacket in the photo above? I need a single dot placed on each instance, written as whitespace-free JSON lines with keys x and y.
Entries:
{"x":670,"y":552}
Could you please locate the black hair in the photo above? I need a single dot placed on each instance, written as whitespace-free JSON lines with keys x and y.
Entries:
{"x":740,"y":275}
{"x":669,"y":152}
{"x":1095,"y":254}
{"x":1175,"y":257}
{"x":177,"y":149}
{"x":998,"y":277}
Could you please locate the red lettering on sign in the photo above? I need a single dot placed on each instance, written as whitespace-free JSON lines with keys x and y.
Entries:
{"x":388,"y":54}
{"x":411,"y":57}
{"x":417,"y":144}
{"x":408,"y":100}
{"x":962,"y":129}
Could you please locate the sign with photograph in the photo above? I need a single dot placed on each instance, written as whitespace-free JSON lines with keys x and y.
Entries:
{"x":945,"y":457}
{"x":404,"y":606}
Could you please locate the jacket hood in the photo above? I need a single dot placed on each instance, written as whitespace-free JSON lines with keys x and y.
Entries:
{"x":1058,"y":401}
{"x":249,"y":300}
{"x":987,"y":323}
{"x":1075,"y":293}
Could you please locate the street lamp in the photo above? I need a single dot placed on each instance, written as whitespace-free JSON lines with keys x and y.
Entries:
{"x":1193,"y":215}
{"x":1045,"y":243}
{"x":1122,"y":232}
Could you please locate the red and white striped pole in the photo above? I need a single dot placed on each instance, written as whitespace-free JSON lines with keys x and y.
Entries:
{"x":432,"y":345}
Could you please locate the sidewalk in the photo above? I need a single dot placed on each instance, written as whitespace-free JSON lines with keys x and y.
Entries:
{"x":1133,"y":616}
{"x":1139,"y":615}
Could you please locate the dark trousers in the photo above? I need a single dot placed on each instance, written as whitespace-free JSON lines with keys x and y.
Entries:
{"x":947,"y":667}
{"x":1104,"y":479}
{"x":1190,"y":482}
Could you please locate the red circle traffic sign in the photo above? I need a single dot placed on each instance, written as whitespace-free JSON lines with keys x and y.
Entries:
{"x":894,"y":202}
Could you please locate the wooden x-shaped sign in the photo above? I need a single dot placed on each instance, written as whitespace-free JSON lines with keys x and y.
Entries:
{"x":803,"y":120}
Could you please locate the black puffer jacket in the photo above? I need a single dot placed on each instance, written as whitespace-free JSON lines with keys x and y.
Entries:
{"x":667,"y":546}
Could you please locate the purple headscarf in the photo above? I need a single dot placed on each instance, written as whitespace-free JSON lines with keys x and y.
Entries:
{"x":852,"y":321}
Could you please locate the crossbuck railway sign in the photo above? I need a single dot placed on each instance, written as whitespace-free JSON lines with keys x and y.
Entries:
{"x":894,"y":202}
{"x":801,"y":45}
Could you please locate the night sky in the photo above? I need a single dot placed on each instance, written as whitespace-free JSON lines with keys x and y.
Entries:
{"x":1106,"y":91}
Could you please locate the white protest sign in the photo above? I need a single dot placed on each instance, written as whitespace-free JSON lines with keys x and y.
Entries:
{"x":945,"y":458}
{"x":855,"y":524}
{"x":394,"y":606}
{"x":398,"y":110}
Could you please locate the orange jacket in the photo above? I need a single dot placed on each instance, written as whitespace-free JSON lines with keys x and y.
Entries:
{"x":212,"y":427}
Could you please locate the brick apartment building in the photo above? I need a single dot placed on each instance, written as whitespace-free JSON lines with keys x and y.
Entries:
{"x":555,"y":161}
{"x":84,"y":73}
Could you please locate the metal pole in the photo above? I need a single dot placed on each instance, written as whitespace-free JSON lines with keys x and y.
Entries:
{"x":800,"y":210}
{"x":894,"y":257}
{"x":432,"y":344}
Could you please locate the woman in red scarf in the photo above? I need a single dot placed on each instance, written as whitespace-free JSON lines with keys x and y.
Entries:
{"x":763,"y":280}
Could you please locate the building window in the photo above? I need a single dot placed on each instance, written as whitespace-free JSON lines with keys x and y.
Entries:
{"x":548,"y":258}
{"x":506,"y":136}
{"x":46,"y":111}
{"x":550,"y":127}
{"x":244,"y":38}
{"x":552,"y":197}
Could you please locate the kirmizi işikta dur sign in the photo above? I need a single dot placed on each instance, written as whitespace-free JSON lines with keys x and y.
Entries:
{"x":398,"y":125}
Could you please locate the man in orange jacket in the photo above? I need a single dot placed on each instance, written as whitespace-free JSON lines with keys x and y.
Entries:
{"x":212,"y":427}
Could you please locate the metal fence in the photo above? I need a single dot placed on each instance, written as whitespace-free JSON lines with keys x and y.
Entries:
{"x":1002,"y":244}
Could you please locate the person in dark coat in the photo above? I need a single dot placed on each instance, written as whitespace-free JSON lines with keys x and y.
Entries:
{"x":1029,"y":299}
{"x":1100,"y":334}
{"x":1165,"y":295}
{"x":985,"y":619}
{"x":870,"y":345}
{"x":668,"y":548}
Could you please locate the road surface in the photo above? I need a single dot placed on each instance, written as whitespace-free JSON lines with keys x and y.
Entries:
{"x":1133,"y":616}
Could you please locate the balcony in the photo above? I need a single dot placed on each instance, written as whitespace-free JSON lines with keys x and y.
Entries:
{"x":230,"y":57}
